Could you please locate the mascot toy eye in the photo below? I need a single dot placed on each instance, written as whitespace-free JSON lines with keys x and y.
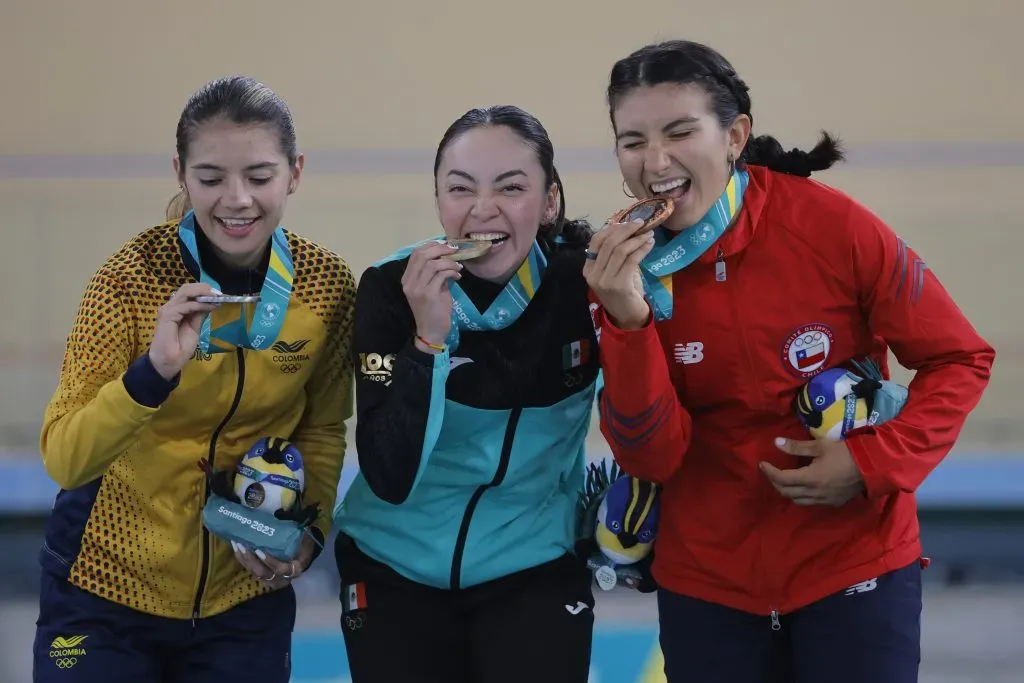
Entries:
{"x":259,"y":502}
{"x":617,"y":525}
{"x":837,"y":401}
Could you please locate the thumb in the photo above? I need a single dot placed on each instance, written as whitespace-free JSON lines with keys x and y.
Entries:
{"x":806,"y":449}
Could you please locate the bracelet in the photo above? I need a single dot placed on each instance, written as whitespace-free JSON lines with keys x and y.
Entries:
{"x":436,"y":347}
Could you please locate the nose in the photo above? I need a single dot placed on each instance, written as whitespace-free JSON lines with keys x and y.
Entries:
{"x":236,"y":195}
{"x":656,"y":159}
{"x":484,"y":207}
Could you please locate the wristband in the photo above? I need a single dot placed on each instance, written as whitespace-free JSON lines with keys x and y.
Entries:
{"x":436,"y":347}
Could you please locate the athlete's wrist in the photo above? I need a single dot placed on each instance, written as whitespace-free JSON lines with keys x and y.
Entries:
{"x":428,"y":345}
{"x":633,"y":316}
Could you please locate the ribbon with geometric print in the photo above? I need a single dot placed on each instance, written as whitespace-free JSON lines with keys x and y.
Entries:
{"x":671,"y":255}
{"x":506,"y":307}
{"x":230,"y":326}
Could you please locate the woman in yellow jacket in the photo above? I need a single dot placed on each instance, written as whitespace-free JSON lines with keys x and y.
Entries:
{"x":134,"y":587}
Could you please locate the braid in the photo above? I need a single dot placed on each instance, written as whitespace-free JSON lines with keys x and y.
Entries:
{"x":738,"y":89}
{"x":683,"y":62}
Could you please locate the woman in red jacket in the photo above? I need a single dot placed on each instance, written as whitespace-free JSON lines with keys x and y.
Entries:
{"x":779,"y":557}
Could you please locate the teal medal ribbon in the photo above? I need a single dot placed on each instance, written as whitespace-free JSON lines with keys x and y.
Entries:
{"x":269,"y":478}
{"x":504,"y":310}
{"x":671,"y":255}
{"x":270,"y":311}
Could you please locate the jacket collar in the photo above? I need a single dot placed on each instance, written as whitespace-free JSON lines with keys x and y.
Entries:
{"x":231,"y":280}
{"x":741,"y":233}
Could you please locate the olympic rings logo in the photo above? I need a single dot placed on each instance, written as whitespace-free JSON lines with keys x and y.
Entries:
{"x":572,"y":380}
{"x":65,"y":662}
{"x":355,"y":621}
{"x":808,"y":339}
{"x":290,"y":368}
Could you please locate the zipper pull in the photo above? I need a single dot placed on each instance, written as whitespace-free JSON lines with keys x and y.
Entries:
{"x":776,"y":624}
{"x":720,"y":265}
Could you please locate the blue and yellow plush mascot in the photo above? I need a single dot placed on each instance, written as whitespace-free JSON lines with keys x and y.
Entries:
{"x":259,"y":502}
{"x":618,"y":522}
{"x":838,"y":400}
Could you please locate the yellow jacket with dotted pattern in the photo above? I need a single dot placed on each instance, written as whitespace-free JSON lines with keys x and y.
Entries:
{"x":124,"y":444}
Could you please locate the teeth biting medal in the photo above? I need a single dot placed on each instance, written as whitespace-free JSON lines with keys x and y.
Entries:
{"x":469,"y":248}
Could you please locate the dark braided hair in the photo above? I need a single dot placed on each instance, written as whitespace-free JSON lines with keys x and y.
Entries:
{"x":684,"y":62}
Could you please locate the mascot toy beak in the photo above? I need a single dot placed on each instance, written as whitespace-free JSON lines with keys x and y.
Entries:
{"x":626,"y":539}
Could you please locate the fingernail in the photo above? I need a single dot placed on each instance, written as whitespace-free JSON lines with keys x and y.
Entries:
{"x":637,"y":221}
{"x":217,"y":291}
{"x":234,"y":546}
{"x":241,"y":549}
{"x":260,"y":554}
{"x":780,"y":441}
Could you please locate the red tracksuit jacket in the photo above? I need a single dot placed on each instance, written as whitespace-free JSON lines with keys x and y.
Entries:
{"x":812,"y":279}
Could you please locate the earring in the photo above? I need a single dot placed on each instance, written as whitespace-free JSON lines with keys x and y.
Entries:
{"x":625,"y":190}
{"x":732,"y":165}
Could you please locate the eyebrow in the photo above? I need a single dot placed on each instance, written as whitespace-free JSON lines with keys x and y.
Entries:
{"x":251,"y":167}
{"x":682,"y":121}
{"x":498,"y":178}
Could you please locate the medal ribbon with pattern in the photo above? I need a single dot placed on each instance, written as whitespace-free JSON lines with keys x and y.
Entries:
{"x":228,"y":327}
{"x":672,"y":255}
{"x":504,"y":310}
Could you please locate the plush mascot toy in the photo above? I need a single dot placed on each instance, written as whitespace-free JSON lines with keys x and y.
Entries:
{"x":617,"y":523}
{"x":259,"y":503}
{"x":838,"y":400}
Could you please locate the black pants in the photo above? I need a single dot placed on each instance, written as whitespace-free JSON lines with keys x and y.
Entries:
{"x":869,"y":633}
{"x":82,"y":638}
{"x":535,"y":625}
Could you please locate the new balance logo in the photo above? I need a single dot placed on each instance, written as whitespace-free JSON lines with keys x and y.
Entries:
{"x":690,"y":353}
{"x":577,"y":608}
{"x":294,"y":347}
{"x":863,"y":587}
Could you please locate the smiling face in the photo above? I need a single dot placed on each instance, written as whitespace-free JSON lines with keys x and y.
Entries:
{"x":490,"y":186}
{"x":238,"y":180}
{"x":670,"y":144}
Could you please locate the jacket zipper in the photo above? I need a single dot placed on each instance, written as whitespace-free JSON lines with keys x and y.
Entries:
{"x":721,"y":276}
{"x":499,"y":477}
{"x":204,"y":570}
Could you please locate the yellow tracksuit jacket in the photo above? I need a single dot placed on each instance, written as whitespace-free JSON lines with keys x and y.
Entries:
{"x":127,"y":524}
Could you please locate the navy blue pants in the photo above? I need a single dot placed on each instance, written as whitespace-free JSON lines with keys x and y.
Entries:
{"x":535,"y":625}
{"x":82,"y":638}
{"x":870,"y":632}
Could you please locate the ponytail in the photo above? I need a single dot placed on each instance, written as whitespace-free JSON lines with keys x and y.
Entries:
{"x":684,"y":62}
{"x":178,"y":206}
{"x":561,"y":231}
{"x":576,"y":232}
{"x":764,"y":150}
